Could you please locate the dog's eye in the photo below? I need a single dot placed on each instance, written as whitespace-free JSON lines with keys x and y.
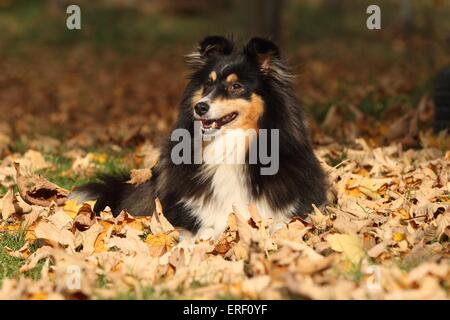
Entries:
{"x":236,"y":86}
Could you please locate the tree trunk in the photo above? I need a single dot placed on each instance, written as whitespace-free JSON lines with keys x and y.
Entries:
{"x":406,"y":17}
{"x":265,"y":18}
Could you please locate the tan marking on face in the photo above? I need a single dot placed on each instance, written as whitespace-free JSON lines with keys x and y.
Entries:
{"x":232,"y":78}
{"x":196,"y":97}
{"x":250,"y":114}
{"x":248,"y":118}
{"x":249,"y":111}
{"x":213,"y":76}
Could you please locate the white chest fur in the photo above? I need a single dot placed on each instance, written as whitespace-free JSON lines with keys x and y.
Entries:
{"x":229,"y":189}
{"x":229,"y":186}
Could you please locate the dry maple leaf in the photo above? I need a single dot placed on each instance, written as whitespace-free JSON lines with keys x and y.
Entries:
{"x":32,"y":161}
{"x":159,"y":244}
{"x":148,"y":155}
{"x":139,"y":176}
{"x":159,"y":223}
{"x":228,"y":238}
{"x":319,"y":220}
{"x":39,"y":191}
{"x":11,"y":204}
{"x":84,"y":218}
{"x":72,"y":207}
{"x":35,"y":257}
{"x":89,"y":237}
{"x":443,"y":224}
{"x":349,"y":245}
{"x":397,"y":203}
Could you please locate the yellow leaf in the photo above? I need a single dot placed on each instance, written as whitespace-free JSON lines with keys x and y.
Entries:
{"x":354,"y":192}
{"x":99,"y":245}
{"x":136,"y":224}
{"x":72,"y":207}
{"x":362,"y":172}
{"x":403,"y":213}
{"x":29,"y":234}
{"x":39,"y":296}
{"x":10,"y":227}
{"x":159,"y":244}
{"x":398,"y":236}
{"x":350,"y":245}
{"x":100,"y":158}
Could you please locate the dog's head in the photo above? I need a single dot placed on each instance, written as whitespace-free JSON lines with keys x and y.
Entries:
{"x":229,"y":83}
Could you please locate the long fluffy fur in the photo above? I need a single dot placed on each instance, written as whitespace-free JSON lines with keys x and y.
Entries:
{"x":298,"y":184}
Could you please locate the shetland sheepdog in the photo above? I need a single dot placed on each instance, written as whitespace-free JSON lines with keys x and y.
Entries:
{"x":231,"y":92}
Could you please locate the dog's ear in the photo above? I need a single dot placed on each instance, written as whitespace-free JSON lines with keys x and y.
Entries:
{"x":215,"y":46}
{"x":263,"y":52}
{"x":210,"y":47}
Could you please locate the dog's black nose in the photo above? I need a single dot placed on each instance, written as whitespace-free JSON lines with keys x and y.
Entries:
{"x":201,"y":108}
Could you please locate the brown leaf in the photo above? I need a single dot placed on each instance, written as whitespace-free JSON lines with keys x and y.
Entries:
{"x":37,"y":256}
{"x":159,"y":244}
{"x":159,"y":223}
{"x":85,"y":218}
{"x":13,"y":205}
{"x":39,"y":191}
{"x":139,"y":176}
{"x":90,"y":236}
{"x":54,"y":235}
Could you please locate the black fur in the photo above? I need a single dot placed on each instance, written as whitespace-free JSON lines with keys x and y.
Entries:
{"x":299,"y":180}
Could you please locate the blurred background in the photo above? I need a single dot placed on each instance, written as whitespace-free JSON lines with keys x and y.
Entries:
{"x":120,"y":78}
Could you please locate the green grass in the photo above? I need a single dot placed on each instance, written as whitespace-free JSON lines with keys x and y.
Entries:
{"x":147,"y":294}
{"x":123,"y":29}
{"x":9,"y":266}
{"x":319,"y":110}
{"x":60,"y":172}
{"x":19,"y":146}
{"x":56,"y":173}
{"x":372,"y":105}
{"x":3,"y":190}
{"x":102,"y":281}
{"x":334,"y":160}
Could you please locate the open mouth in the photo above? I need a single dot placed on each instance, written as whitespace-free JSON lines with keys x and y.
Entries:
{"x":211,"y":125}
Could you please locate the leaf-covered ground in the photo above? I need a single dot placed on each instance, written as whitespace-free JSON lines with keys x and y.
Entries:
{"x":384,"y":234}
{"x":385,"y":231}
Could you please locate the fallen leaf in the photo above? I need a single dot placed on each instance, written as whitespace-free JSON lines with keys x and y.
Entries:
{"x":37,"y":190}
{"x":139,"y":176}
{"x":349,"y":245}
